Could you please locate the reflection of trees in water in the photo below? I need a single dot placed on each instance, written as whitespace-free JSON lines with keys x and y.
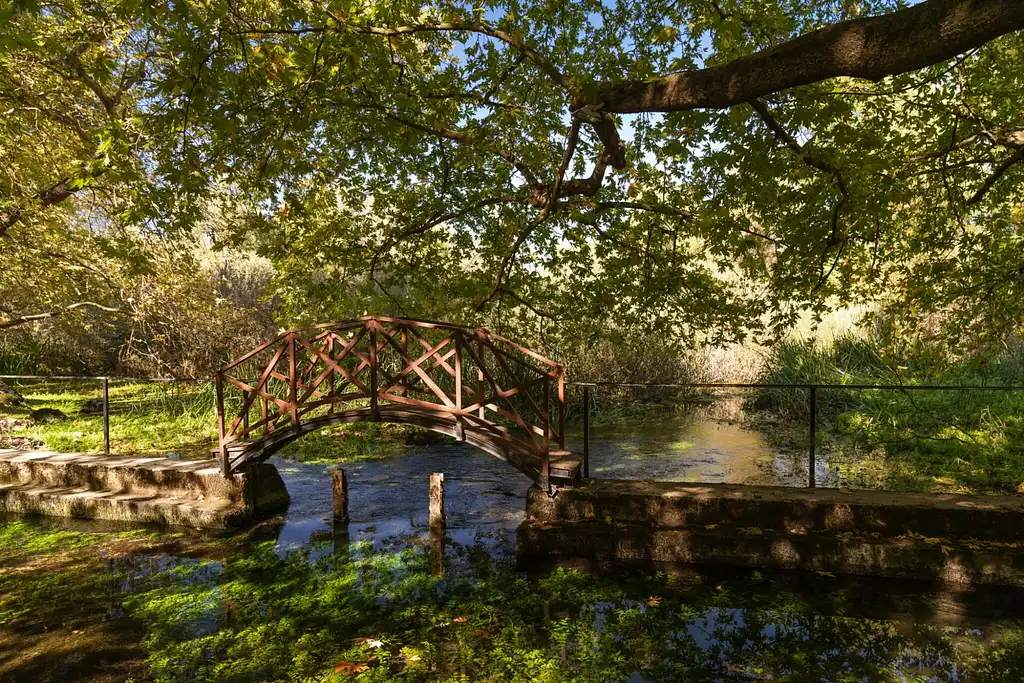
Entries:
{"x":297,"y":616}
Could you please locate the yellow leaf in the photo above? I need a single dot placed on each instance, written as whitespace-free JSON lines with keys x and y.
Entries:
{"x":459,"y":620}
{"x":653,"y":600}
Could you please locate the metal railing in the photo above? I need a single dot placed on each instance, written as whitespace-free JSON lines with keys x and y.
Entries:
{"x":105,"y":390}
{"x":812,"y":402}
{"x":811,"y":389}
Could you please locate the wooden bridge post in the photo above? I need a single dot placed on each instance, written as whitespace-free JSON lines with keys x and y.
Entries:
{"x":813,"y":409}
{"x":480,"y":378}
{"x":460,"y":424}
{"x":266,"y":425}
{"x":545,"y":470}
{"x":220,"y":425}
{"x":293,"y":383}
{"x":330,"y":378}
{"x":339,"y":477}
{"x":374,"y":408}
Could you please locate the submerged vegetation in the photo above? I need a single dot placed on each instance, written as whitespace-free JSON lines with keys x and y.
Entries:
{"x":337,"y":610}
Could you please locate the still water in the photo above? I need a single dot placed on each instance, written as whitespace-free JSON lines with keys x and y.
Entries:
{"x":296,"y":599}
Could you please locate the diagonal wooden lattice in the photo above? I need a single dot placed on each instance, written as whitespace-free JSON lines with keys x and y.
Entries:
{"x":469,"y":383}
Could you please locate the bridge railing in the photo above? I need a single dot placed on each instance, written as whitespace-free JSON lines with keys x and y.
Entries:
{"x":478,"y":379}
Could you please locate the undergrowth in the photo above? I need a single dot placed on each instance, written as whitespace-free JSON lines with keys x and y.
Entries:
{"x":904,"y":439}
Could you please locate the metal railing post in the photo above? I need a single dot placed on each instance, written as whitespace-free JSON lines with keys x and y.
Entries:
{"x":813,"y":408}
{"x":586,"y":432}
{"x":106,"y":415}
{"x":224,"y":465}
{"x":561,"y":408}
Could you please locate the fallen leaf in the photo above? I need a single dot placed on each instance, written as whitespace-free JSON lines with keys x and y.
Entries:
{"x":843,"y":489}
{"x":718,"y":588}
{"x":459,"y":620}
{"x":350,"y":668}
{"x":946,"y":550}
{"x":369,"y":642}
{"x":653,"y":600}
{"x":482,"y":633}
{"x":829,"y":574}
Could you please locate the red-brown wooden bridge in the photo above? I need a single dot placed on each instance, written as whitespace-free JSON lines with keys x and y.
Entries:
{"x":468,"y":383}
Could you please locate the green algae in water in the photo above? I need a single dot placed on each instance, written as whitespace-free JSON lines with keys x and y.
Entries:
{"x":387,"y":616}
{"x":339,"y":610}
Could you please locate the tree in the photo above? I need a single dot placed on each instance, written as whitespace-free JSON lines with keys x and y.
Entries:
{"x":710,"y":166}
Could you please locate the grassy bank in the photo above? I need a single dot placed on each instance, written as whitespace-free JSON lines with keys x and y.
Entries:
{"x":963,"y":441}
{"x":161,"y":418}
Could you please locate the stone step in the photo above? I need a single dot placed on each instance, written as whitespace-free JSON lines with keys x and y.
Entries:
{"x":87,"y":503}
{"x":140,"y":489}
{"x":675,"y":505}
{"x":142,"y":475}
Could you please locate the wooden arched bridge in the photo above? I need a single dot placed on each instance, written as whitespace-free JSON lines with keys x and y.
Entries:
{"x":468,"y":383}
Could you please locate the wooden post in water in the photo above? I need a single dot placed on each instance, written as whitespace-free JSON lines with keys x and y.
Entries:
{"x":437,"y":519}
{"x":437,"y":523}
{"x":339,"y":478}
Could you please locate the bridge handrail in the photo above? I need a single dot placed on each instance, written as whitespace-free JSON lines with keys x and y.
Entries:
{"x":504,"y":371}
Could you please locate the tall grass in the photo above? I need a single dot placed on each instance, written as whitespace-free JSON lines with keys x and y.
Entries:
{"x":952,"y":439}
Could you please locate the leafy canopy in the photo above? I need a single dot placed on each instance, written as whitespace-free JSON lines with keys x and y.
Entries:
{"x":709,"y":167}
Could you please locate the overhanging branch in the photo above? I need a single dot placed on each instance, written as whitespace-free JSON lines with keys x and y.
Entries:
{"x":872,"y":48}
{"x":39,"y":317}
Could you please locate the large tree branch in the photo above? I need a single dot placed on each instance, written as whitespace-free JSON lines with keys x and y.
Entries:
{"x":39,"y":317}
{"x":56,"y":193}
{"x":81,"y":74}
{"x":872,"y":48}
{"x":1015,"y":158}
